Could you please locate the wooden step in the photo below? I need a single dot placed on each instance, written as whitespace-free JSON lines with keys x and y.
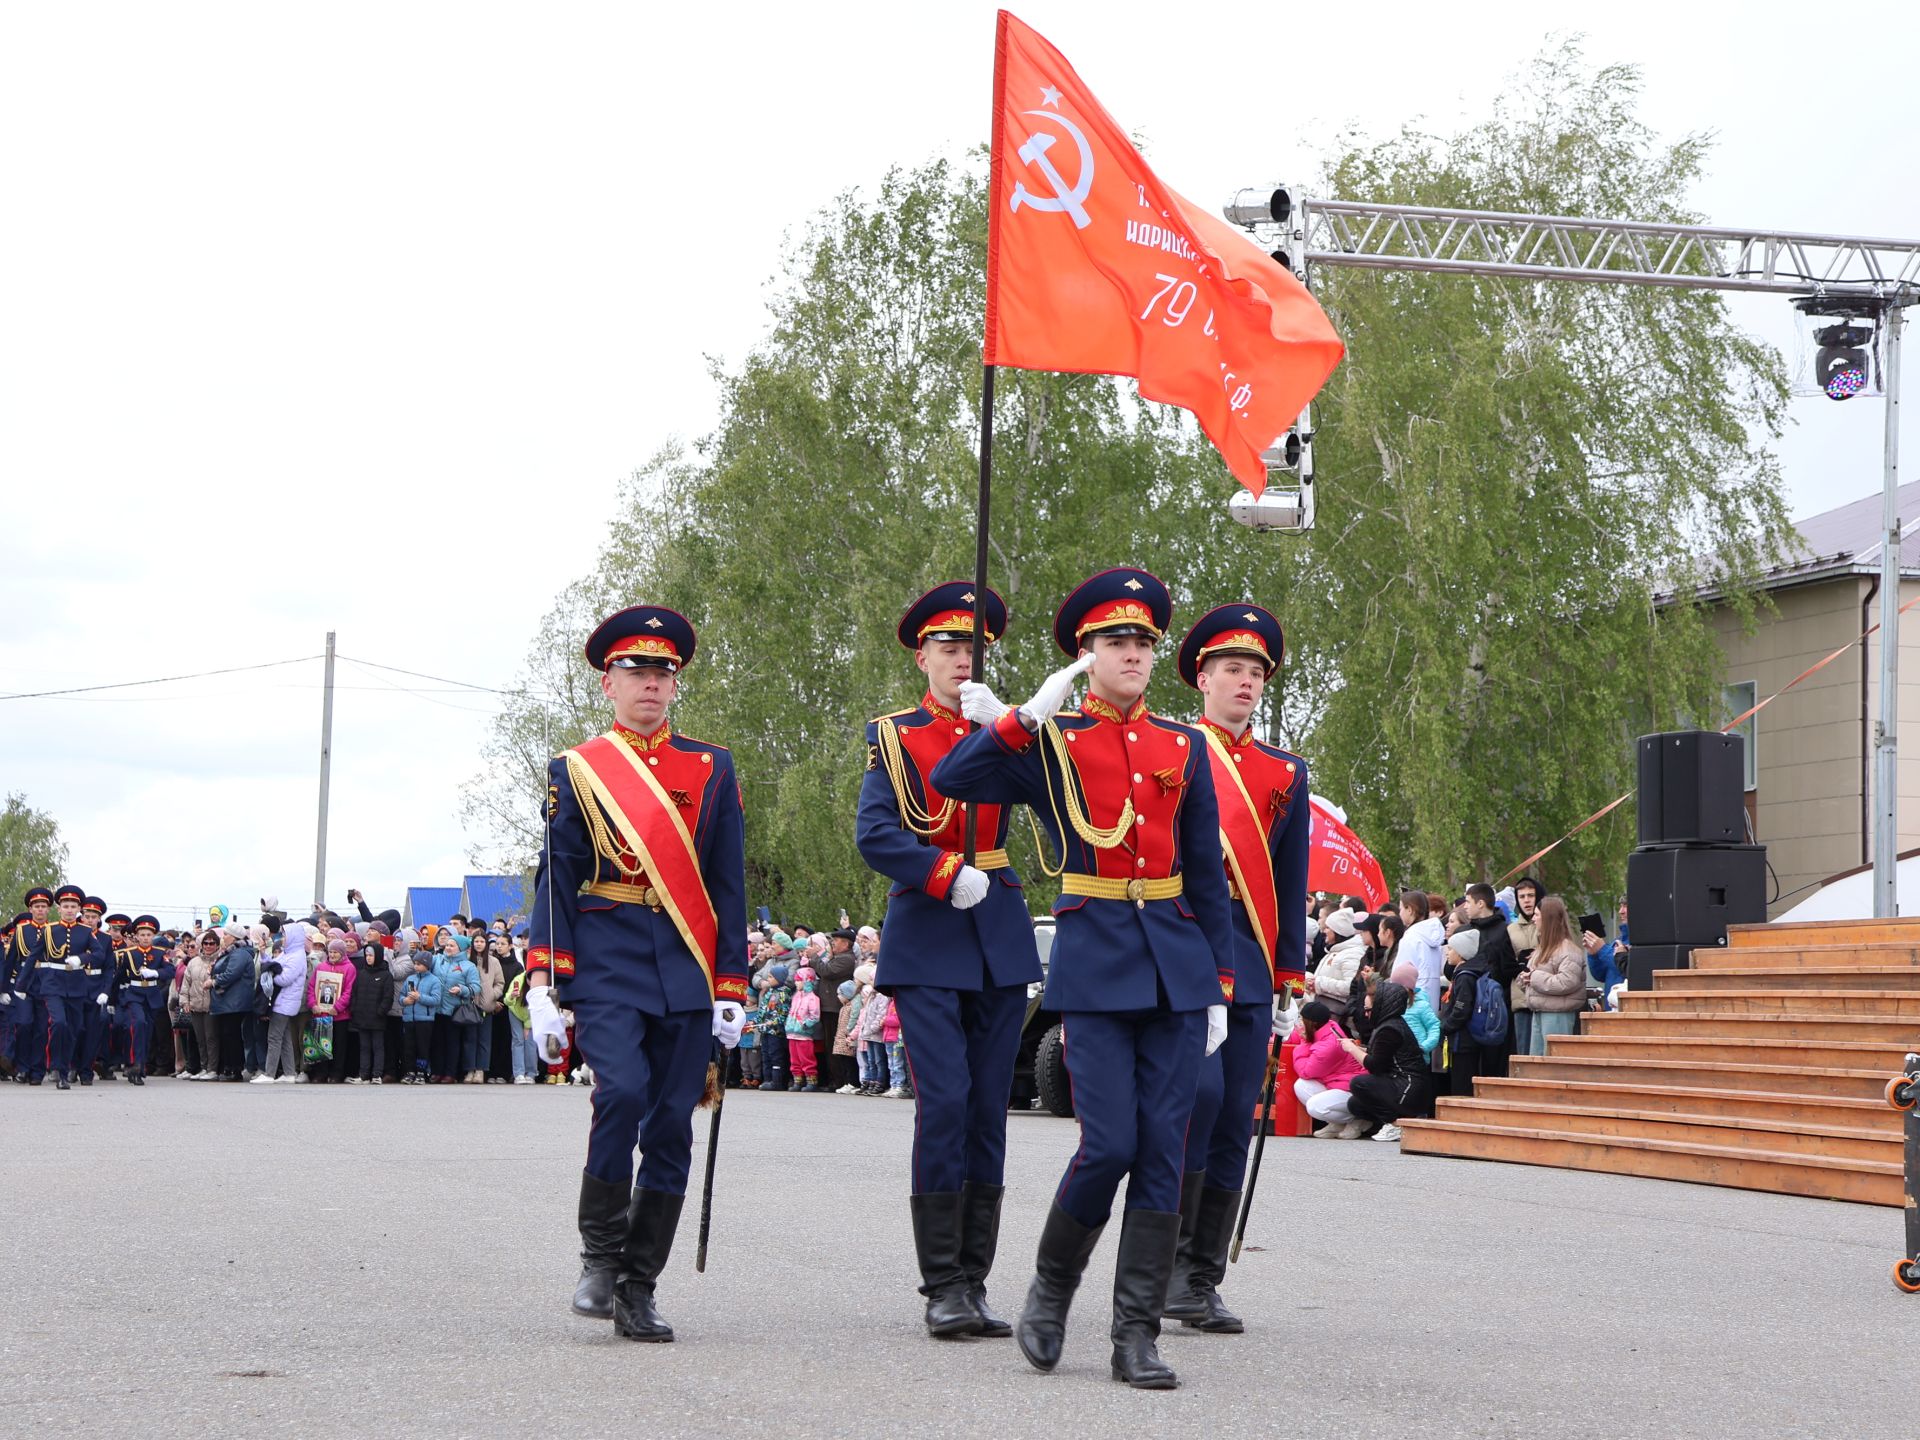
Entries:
{"x":1867,"y":1055}
{"x":1882,"y":979}
{"x":1812,"y":1004}
{"x":1798,"y":1139}
{"x":1849,"y":1083}
{"x":1782,"y":1024}
{"x":1821,"y":932}
{"x":1794,"y":957}
{"x":1699,"y":1101}
{"x":1824,"y":1177}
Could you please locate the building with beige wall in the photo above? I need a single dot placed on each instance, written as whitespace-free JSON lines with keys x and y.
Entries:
{"x":1810,"y":753}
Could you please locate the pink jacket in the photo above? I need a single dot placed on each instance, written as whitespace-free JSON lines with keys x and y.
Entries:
{"x":341,"y":973}
{"x":890,"y":1027}
{"x":1325,"y":1059}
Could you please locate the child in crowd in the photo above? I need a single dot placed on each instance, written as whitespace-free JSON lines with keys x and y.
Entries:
{"x":874,"y":1008}
{"x":773,"y":1031}
{"x":750,"y":1034}
{"x":419,"y":1004}
{"x":803,"y":1028}
{"x":526,"y":1059}
{"x":1420,"y":1016}
{"x":844,"y":1040}
{"x":896,"y":1056}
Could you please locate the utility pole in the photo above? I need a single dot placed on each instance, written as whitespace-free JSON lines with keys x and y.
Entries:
{"x":1886,"y":769}
{"x":326,"y":775}
{"x":1823,"y":274}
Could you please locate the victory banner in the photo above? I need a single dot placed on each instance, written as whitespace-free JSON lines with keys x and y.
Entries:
{"x":1095,"y":266}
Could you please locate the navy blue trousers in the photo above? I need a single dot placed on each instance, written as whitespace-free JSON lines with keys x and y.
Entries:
{"x":61,"y":1019}
{"x":1133,"y":1074}
{"x":139,"y":1037}
{"x":961,"y":1047}
{"x":648,"y":1074}
{"x":91,"y":1041}
{"x":1224,"y":1100}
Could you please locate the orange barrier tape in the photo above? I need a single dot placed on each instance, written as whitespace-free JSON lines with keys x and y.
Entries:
{"x":1607,"y":810}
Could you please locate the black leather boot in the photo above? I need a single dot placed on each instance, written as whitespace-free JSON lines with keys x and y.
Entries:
{"x":1065,"y":1247}
{"x":603,"y":1230}
{"x":651,"y":1220}
{"x":1142,"y":1267}
{"x":1213,"y":1234}
{"x":60,"y":1080}
{"x":979,"y":1239}
{"x":936,"y":1246}
{"x":1183,"y":1302}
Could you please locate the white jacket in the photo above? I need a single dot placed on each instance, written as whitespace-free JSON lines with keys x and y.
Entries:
{"x":1425,"y":944}
{"x":1334,"y":978}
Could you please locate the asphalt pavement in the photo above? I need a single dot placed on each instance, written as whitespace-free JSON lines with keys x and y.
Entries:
{"x":212,"y":1260}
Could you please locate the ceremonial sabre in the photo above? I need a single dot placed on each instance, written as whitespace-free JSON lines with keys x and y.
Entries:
{"x":717,"y":1092}
{"x":1259,"y":1148}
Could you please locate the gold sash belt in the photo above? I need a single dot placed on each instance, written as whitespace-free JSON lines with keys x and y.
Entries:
{"x":1139,"y":891}
{"x":624,"y":893}
{"x":991,"y":860}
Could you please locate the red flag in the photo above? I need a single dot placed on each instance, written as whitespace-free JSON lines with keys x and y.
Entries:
{"x":1338,"y":861}
{"x":1095,"y":266}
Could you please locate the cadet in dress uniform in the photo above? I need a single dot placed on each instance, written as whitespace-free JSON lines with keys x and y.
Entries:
{"x":29,"y":1017}
{"x":640,"y":916}
{"x":145,"y":973}
{"x":102,"y":971}
{"x":1229,"y":656}
{"x":60,"y":985}
{"x":8,"y":1029}
{"x":956,"y":956}
{"x":1144,"y":941}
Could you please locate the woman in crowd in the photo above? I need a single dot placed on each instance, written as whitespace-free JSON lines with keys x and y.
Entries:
{"x":1346,"y":948}
{"x":234,"y":979}
{"x":288,"y":986}
{"x":330,"y":998}
{"x":368,"y":1002}
{"x":1396,"y":1082}
{"x":460,"y":1002}
{"x":1326,"y":1070}
{"x":197,"y":997}
{"x":485,"y":956}
{"x":1556,"y":976}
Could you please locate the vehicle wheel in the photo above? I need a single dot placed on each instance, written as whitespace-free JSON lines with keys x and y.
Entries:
{"x":1900,"y":1093}
{"x":1906,"y":1277}
{"x":1050,"y":1073}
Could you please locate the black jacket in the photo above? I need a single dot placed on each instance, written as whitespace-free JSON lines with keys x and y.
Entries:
{"x":1496,"y":949}
{"x":372,"y":994}
{"x":1457,"y":1013}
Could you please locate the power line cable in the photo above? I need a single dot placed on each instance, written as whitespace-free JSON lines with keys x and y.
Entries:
{"x":158,"y":680}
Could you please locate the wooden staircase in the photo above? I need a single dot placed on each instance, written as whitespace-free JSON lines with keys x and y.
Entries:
{"x":1763,"y":1067}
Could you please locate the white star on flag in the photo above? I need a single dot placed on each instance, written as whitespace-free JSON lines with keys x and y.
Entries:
{"x":1049,"y":96}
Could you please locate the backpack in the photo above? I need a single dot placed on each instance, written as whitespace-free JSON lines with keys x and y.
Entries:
{"x":1490,"y":1017}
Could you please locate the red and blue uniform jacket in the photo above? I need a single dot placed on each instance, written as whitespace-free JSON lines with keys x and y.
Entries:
{"x":912,"y":834}
{"x":1152,"y":774}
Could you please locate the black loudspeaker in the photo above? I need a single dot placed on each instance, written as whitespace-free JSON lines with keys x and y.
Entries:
{"x":1692,"y":788}
{"x":1643,"y":960}
{"x":1688,"y":895}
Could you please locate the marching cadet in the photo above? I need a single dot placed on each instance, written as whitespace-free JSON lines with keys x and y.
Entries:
{"x":61,"y":986}
{"x":114,"y":1045}
{"x":8,"y":1028}
{"x":1229,"y":656}
{"x":145,"y":973}
{"x":958,"y":980}
{"x":22,"y":982}
{"x":101,"y":970}
{"x":1144,"y":943}
{"x":640,"y":915}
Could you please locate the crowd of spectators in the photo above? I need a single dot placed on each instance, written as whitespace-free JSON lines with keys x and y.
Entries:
{"x":1420,"y":998}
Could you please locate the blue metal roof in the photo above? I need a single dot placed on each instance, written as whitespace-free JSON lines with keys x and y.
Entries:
{"x":430,"y":904}
{"x":494,"y":897}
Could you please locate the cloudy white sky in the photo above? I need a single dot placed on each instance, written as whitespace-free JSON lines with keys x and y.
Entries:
{"x":352,"y":317}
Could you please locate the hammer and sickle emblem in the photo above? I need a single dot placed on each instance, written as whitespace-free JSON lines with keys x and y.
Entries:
{"x":1064,"y":198}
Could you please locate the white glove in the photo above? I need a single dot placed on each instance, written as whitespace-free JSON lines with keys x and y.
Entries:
{"x":728,"y":1021}
{"x":969,"y":888}
{"x":99,"y":999}
{"x":73,"y":964}
{"x":979,"y":704}
{"x":1216,"y":1027}
{"x":147,"y":972}
{"x":549,"y":1030}
{"x":1054,"y":689}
